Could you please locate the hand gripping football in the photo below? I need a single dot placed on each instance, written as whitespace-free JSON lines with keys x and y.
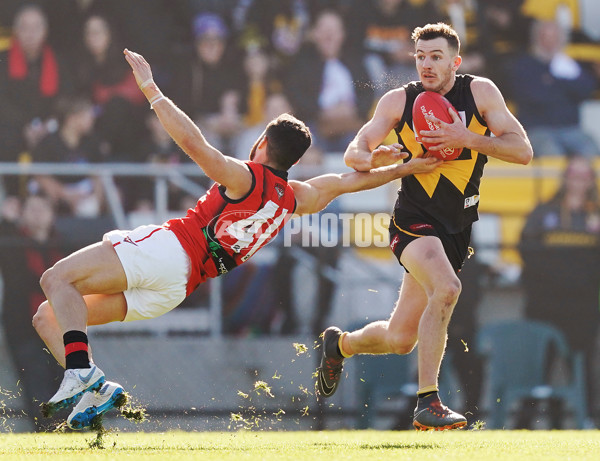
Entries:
{"x":429,"y":102}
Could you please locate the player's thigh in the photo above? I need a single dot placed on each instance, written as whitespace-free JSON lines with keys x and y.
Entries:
{"x":426,"y":260}
{"x":101,"y":308}
{"x":105,"y":308}
{"x":95,"y":269}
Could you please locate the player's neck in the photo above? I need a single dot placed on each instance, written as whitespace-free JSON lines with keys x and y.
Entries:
{"x":446,"y":89}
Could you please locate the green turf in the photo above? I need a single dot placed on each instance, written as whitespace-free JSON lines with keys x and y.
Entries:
{"x":331,"y":445}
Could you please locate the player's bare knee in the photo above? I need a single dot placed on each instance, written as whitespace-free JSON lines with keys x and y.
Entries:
{"x":42,"y":317}
{"x":448,"y":292}
{"x":46,"y":280}
{"x":52,"y":278}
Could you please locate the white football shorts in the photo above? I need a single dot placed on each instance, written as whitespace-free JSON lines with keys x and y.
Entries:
{"x":157,"y":269}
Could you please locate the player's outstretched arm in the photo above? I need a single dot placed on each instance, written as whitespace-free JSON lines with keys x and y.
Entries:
{"x":315,"y":194}
{"x":228,"y":171}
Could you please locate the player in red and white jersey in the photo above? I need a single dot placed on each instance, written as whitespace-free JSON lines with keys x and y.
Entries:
{"x":146,"y":272}
{"x":236,"y":229}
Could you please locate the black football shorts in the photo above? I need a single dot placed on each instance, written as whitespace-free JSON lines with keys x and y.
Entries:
{"x":406,"y":227}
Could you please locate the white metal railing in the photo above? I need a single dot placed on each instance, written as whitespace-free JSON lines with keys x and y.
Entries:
{"x":181,"y":176}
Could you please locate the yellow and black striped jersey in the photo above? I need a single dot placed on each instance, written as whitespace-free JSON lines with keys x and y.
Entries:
{"x":450,"y":194}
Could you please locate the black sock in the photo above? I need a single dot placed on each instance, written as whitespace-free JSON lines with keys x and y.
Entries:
{"x":76,"y":349}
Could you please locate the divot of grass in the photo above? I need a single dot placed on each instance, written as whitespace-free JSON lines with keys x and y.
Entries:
{"x":47,"y":409}
{"x":97,"y":426}
{"x":124,"y":404}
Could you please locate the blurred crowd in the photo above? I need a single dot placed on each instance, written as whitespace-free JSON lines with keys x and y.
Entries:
{"x":68,"y":96}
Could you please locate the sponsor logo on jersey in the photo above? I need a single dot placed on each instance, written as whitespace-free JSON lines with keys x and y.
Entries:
{"x":471,"y":201}
{"x":280,"y":190}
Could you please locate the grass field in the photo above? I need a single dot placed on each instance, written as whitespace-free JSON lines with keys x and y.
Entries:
{"x":297,"y":446}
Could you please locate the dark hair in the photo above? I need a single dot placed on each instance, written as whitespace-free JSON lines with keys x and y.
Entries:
{"x":69,"y":105}
{"x":592,"y":199}
{"x":287,"y":140}
{"x":432,"y":31}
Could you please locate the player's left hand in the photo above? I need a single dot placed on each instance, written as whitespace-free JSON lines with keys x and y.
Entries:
{"x":454,"y":135}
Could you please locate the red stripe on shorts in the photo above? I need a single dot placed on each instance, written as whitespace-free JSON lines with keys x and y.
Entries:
{"x":149,"y":235}
{"x":74,"y":347}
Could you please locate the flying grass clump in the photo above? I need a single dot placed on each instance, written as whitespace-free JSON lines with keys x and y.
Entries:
{"x":300,"y":348}
{"x":263,"y":387}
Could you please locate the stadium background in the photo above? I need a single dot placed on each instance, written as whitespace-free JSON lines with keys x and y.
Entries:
{"x":250,"y":326}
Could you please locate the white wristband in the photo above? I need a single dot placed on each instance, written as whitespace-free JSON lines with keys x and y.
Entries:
{"x":155,"y":99}
{"x":146,"y":83}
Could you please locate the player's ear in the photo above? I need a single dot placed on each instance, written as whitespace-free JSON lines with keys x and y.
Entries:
{"x":457,"y":62}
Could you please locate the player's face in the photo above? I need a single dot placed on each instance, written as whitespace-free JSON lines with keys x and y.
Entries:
{"x":436,"y":64}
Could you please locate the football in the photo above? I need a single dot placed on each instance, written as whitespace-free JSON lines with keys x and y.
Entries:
{"x":429,"y":102}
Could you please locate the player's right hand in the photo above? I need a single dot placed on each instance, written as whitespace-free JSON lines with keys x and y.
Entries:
{"x":387,"y":155}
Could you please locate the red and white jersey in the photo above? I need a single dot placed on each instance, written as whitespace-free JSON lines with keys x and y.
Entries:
{"x":241,"y":227}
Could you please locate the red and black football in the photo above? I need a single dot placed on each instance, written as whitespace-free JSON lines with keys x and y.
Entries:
{"x":429,"y":102}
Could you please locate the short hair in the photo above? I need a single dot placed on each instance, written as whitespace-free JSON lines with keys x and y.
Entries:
{"x":71,"y":105}
{"x":287,"y":140}
{"x":440,"y":29}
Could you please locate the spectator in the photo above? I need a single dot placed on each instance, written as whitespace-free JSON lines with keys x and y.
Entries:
{"x":280,"y":26}
{"x":275,"y":104}
{"x":560,"y":247}
{"x":74,"y":142}
{"x":548,"y":99}
{"x":259,"y":82}
{"x":328,"y":89}
{"x":571,"y":15}
{"x":28,"y":246}
{"x":156,"y":147}
{"x":151,"y":26}
{"x":383,"y":29}
{"x":462,"y":15}
{"x":31,"y":78}
{"x":502,"y":33}
{"x":206,"y":87}
{"x":105,"y":78}
{"x":66,"y":19}
{"x":220,"y":7}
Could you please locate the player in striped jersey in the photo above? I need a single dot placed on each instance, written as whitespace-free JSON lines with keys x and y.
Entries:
{"x":431,"y":225}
